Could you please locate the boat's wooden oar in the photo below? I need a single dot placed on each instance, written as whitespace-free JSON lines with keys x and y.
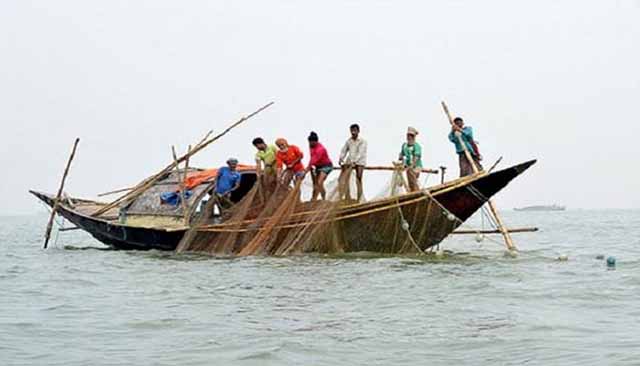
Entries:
{"x":56,"y":201}
{"x":505,"y":233}
{"x":149,"y":182}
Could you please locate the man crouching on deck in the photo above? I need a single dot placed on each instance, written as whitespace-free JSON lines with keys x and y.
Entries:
{"x":352,"y":157}
{"x":227,"y":181}
{"x":466,"y":134}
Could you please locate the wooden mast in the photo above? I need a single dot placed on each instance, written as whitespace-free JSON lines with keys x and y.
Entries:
{"x":503,"y":230}
{"x":56,"y":202}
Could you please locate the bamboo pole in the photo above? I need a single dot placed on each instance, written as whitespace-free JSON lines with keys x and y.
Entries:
{"x":505,"y":233}
{"x":184,"y":176}
{"x":181,"y":179}
{"x":516,"y":230}
{"x":56,"y":202}
{"x":391,"y":168}
{"x":495,"y":165}
{"x":116,"y":191}
{"x":371,"y":168}
{"x":149,"y":182}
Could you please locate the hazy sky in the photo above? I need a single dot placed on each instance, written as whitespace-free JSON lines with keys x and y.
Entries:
{"x":553,"y":80}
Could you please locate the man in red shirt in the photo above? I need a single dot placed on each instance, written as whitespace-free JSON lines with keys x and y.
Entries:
{"x":288,"y":162}
{"x":320,"y":166}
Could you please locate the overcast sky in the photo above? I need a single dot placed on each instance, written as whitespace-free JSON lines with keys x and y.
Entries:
{"x":554,"y":80}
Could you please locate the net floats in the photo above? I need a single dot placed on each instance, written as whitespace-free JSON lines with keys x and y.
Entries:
{"x":611,"y":262}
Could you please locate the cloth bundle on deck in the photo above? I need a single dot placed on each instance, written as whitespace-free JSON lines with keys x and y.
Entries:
{"x":195,"y":179}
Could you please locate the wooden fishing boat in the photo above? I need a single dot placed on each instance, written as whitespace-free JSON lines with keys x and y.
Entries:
{"x":427,"y":216}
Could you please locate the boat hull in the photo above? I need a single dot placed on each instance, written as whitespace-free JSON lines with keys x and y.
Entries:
{"x":431,"y":217}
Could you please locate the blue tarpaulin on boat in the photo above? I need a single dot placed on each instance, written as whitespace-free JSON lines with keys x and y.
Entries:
{"x":173,"y":198}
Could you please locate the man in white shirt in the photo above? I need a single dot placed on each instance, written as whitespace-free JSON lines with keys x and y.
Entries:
{"x":352,"y":157}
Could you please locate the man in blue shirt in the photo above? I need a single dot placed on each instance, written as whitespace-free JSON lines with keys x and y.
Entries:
{"x":466,"y":133}
{"x":227,"y":181}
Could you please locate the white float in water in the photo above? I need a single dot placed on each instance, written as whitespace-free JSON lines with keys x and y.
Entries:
{"x":511,"y":253}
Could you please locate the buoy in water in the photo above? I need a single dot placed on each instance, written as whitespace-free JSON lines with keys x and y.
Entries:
{"x":563,"y":258}
{"x":611,"y":262}
{"x":479,"y":238}
{"x":440,"y":253}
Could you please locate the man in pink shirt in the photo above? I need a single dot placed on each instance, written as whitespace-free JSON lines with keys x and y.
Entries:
{"x":320,"y":166}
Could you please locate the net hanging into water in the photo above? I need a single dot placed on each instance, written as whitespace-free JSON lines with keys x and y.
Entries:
{"x":273,"y":220}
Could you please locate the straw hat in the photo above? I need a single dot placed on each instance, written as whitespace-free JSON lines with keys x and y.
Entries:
{"x":412,"y":131}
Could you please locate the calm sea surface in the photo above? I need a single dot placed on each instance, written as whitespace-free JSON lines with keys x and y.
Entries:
{"x":79,"y":304}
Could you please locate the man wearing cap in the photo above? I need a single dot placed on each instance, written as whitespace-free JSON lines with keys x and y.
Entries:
{"x":411,"y":157}
{"x":227,"y":181}
{"x":466,"y":134}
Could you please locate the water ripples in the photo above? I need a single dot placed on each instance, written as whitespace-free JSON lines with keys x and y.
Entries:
{"x":80,"y":303}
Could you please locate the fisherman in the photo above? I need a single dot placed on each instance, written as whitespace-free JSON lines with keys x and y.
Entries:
{"x":353,"y":157}
{"x":320,"y":166}
{"x":411,"y":157}
{"x":288,"y":157}
{"x":227,"y":181}
{"x":265,"y":161}
{"x":466,"y":133}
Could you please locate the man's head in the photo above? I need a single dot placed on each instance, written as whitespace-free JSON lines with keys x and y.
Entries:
{"x":458,"y":121}
{"x":355,"y":130}
{"x":282,"y":144}
{"x":258,"y":142}
{"x":232,"y":163}
{"x":313,"y":139}
{"x":411,"y":134}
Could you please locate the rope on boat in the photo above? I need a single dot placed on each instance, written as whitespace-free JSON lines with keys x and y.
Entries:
{"x":405,"y":226}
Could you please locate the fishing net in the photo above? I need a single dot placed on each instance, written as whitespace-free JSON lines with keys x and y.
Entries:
{"x":275,"y":220}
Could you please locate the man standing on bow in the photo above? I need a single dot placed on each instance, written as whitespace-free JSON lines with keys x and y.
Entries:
{"x":353,"y":157}
{"x":466,"y":134}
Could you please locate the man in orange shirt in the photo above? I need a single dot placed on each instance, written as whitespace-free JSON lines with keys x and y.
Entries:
{"x":289,"y":156}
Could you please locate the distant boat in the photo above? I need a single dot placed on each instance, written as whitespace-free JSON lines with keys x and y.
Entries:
{"x":553,"y":207}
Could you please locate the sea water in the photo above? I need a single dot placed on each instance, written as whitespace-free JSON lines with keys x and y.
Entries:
{"x":78,"y":303}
